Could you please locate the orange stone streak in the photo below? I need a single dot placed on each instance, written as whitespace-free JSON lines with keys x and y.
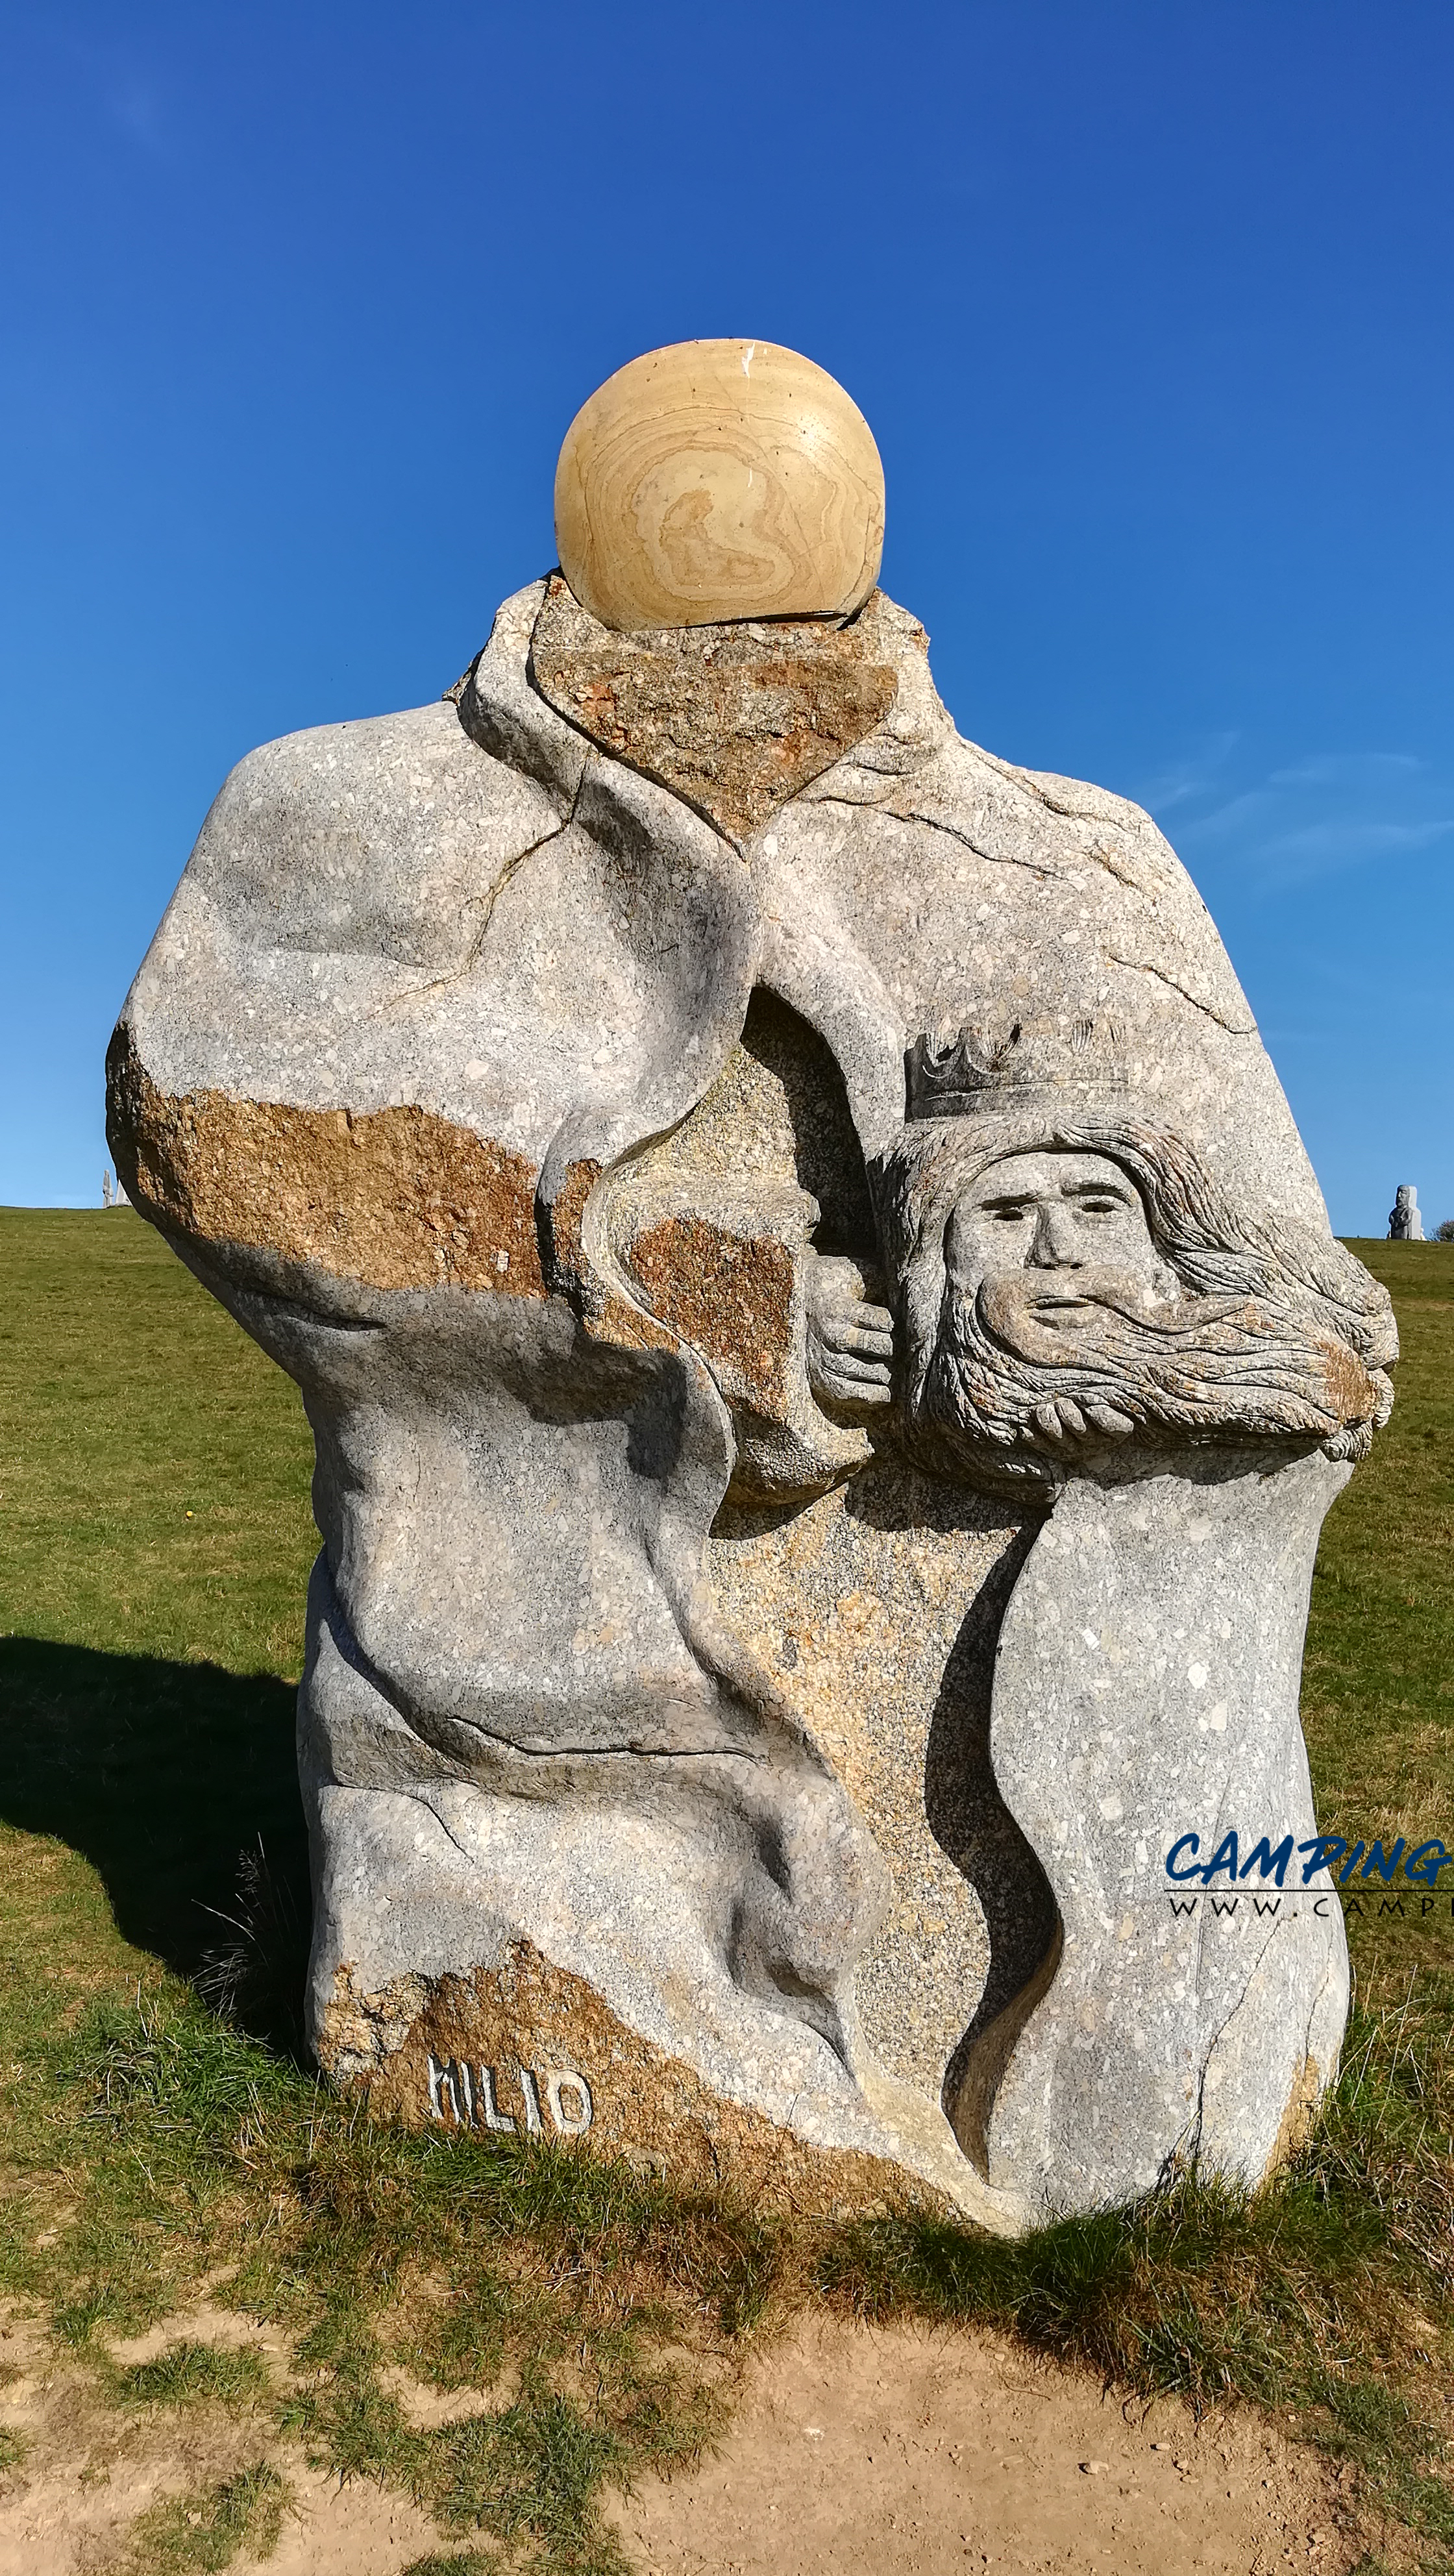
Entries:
{"x":394,"y":1198}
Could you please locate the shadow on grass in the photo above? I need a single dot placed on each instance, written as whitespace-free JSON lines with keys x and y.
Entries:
{"x":167,"y":1777}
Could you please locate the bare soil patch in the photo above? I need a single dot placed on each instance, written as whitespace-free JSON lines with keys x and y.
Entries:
{"x":855,"y":2447}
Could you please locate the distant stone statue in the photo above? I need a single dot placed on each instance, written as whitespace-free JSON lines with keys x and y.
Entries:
{"x":828,"y":1362}
{"x":106,"y":1190}
{"x":1405,"y":1220}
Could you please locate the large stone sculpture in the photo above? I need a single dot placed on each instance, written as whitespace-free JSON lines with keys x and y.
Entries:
{"x":828,"y":1363}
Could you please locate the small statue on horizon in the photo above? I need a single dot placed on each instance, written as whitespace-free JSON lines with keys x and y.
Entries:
{"x":1405,"y":1221}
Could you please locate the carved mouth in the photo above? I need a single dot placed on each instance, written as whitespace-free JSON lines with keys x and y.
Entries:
{"x":1035,"y":1321}
{"x":1060,"y":1314}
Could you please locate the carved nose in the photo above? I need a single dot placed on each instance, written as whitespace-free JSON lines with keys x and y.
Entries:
{"x":1055,"y":1245}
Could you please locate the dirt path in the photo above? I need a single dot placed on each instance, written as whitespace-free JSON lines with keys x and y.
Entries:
{"x":849,"y":2447}
{"x":935,"y":2453}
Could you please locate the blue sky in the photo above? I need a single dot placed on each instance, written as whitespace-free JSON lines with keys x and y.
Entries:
{"x":1148,"y":306}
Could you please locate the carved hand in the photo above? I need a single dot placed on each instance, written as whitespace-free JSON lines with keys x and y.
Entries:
{"x":850,"y":1340}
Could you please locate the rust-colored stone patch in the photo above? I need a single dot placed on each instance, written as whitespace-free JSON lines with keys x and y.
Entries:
{"x":1351,"y":1393}
{"x":395,"y":1198}
{"x":529,"y":2044}
{"x":1297,"y":2120}
{"x":731,"y":1295}
{"x":733,"y":719}
{"x":607,"y":1317}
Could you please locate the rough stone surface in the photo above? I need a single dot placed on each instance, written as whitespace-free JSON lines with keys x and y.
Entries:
{"x":399,"y":1197}
{"x":819,"y":1328}
{"x":734,"y":719}
{"x":876,"y":1607}
{"x":1147,"y":1686}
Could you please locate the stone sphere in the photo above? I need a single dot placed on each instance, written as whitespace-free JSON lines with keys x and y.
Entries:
{"x":719,"y":479}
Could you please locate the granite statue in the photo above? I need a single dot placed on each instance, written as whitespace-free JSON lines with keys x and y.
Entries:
{"x":827,"y":1359}
{"x":1405,"y":1217}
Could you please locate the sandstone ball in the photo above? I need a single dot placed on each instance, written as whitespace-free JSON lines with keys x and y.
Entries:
{"x":719,"y":479}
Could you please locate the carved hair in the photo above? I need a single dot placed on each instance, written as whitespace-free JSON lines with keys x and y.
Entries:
{"x":1278,"y":1332}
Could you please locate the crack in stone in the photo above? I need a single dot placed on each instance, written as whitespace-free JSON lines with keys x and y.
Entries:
{"x":931,"y":823}
{"x":1139,"y":966}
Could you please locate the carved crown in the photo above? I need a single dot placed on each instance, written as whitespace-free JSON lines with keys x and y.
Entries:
{"x":1074,"y":1062}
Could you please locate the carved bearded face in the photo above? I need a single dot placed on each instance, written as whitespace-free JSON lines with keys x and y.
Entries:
{"x":1059,"y":1300}
{"x":1047,"y":1244}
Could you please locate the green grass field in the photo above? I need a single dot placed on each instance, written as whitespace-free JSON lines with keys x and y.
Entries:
{"x":154,"y":1548}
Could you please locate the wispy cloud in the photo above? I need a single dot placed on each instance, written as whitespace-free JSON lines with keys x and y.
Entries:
{"x":1189,"y":781}
{"x":1333,"y":769}
{"x":1312,"y":817}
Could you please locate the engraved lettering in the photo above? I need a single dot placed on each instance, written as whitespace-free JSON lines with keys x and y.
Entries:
{"x":495,"y":2118}
{"x":469,"y":2096}
{"x":570,"y":2123}
{"x":441,"y":2082}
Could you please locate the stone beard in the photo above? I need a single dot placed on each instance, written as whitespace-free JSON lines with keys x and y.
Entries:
{"x":1074,"y":1290}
